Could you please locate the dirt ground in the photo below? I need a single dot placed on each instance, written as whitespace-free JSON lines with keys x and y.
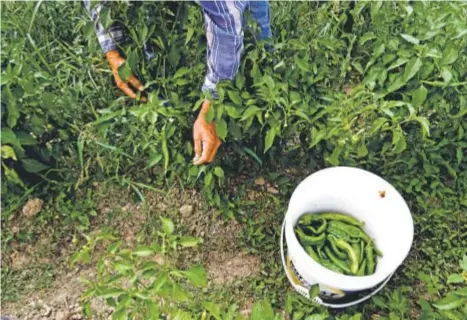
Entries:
{"x":220,"y":252}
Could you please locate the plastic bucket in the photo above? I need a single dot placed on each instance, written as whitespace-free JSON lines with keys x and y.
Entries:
{"x":365,"y":196}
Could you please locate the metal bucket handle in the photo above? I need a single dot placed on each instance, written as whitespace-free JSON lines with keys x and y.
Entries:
{"x":304,"y":291}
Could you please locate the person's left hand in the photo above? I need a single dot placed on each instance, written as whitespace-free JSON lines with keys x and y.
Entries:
{"x":205,"y":137}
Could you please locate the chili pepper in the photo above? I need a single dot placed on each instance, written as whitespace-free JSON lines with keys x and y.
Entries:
{"x":350,"y":230}
{"x":361,"y":270}
{"x":331,"y":266}
{"x":310,"y":239}
{"x":337,"y":232}
{"x":353,"y":259}
{"x":341,"y":217}
{"x":306,"y":224}
{"x":339,"y":263}
{"x":339,"y":253}
{"x":370,"y":265}
{"x":312,"y":253}
{"x":362,"y":250}
{"x":322,"y":227}
{"x":319,"y":248}
{"x":356,"y":248}
{"x":378,"y":252}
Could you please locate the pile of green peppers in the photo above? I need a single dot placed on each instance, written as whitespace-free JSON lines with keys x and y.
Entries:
{"x":338,"y":242}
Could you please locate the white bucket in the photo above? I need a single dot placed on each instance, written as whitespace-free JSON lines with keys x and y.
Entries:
{"x":368,"y":198}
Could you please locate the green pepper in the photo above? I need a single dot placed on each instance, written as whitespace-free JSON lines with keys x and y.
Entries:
{"x":312,"y":253}
{"x":339,"y":253}
{"x":370,"y":265}
{"x":309,"y":240}
{"x":341,"y":217}
{"x":319,"y":248}
{"x":361,"y":270}
{"x":331,"y":266}
{"x":337,"y":232}
{"x":350,"y":230}
{"x":362,"y":250}
{"x":339,"y":263}
{"x":356,"y":248}
{"x":306,"y":224}
{"x":378,"y":252}
{"x":353,"y":259}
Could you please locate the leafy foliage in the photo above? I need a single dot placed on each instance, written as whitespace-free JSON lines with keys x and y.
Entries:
{"x":378,"y":85}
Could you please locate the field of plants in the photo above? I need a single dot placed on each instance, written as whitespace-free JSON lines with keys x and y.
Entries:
{"x":105,"y":216}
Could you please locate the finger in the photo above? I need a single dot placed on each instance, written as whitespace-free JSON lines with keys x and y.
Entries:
{"x":208,"y":147}
{"x":197,"y":147}
{"x":214,"y":151}
{"x":136,"y":83}
{"x":126,"y":90}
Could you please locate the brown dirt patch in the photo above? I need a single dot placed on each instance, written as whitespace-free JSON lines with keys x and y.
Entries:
{"x":226,"y":267}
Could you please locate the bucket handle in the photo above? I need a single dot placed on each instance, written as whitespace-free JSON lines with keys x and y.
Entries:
{"x":304,"y":291}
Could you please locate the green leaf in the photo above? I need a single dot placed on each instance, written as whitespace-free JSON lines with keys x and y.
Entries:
{"x":181,"y":72}
{"x":104,"y":17}
{"x":221,"y":129}
{"x":378,"y":51}
{"x":455,"y":278}
{"x":33,"y":166}
{"x":253,"y":155}
{"x":26,"y":139}
{"x":269,"y":140}
{"x":411,"y":69}
{"x":114,"y":247}
{"x":13,"y":113}
{"x":213,"y":309}
{"x":425,"y":125}
{"x":419,"y":96}
{"x":379,"y":302}
{"x":219,"y":172}
{"x":397,"y":84}
{"x":120,"y":314}
{"x":8,"y":153}
{"x":239,"y":80}
{"x":167,"y":226}
{"x":187,"y":241}
{"x":9,"y":137}
{"x":398,"y":63}
{"x":143,"y":251}
{"x":197,"y":276}
{"x":81,"y":256}
{"x":446,"y":74}
{"x":234,"y":97}
{"x":124,"y":71}
{"x":250,"y":112}
{"x":461,"y":292}
{"x":105,"y":292}
{"x":262,"y":311}
{"x":154,"y":159}
{"x":313,"y":292}
{"x":463,"y":263}
{"x":210,"y":115}
{"x":189,"y":35}
{"x":12,"y":176}
{"x":450,"y":55}
{"x":410,"y":38}
{"x":450,"y":302}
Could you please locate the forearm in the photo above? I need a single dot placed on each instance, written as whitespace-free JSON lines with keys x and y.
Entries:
{"x":225,"y":41}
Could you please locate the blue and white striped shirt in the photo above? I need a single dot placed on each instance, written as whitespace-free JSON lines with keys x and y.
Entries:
{"x":224,"y":21}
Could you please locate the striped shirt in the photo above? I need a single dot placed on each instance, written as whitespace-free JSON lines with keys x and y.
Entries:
{"x":224,"y":21}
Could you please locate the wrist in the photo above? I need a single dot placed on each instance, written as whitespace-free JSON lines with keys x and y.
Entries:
{"x":112,"y":54}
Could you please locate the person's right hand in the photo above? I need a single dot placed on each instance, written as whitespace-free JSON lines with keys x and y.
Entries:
{"x":115,"y":61}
